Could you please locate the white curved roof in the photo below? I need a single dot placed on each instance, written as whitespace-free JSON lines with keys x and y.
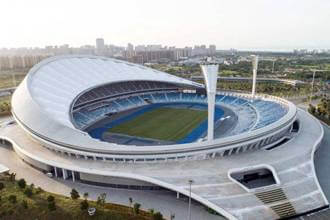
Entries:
{"x":41,"y":104}
{"x":55,"y":82}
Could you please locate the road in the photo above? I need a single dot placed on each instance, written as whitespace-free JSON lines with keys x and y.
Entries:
{"x":162,"y":201}
{"x":322,"y":164}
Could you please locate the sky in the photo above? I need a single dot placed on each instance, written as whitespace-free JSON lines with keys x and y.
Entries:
{"x":240,"y":24}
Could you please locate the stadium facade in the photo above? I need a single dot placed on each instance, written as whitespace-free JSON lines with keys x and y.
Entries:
{"x":258,"y":166}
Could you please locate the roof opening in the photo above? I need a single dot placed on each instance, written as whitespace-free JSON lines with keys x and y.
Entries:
{"x":254,"y":178}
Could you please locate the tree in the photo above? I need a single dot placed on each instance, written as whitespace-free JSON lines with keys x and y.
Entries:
{"x":101,"y":199}
{"x":50,"y":198}
{"x":28,"y":192}
{"x":311,"y":109}
{"x":74,"y":194}
{"x":52,"y":206}
{"x":39,"y":190}
{"x":12,"y":199}
{"x":2,"y":186}
{"x":152,"y":212}
{"x":136,"y":208}
{"x":25,"y":204}
{"x":85,"y":195}
{"x":21,"y":183}
{"x":157,"y":216}
{"x":130,"y":200}
{"x":84,"y":205}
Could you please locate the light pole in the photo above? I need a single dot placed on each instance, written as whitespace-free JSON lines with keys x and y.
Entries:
{"x":254,"y":77}
{"x":312,"y":89}
{"x":14,"y":79}
{"x":210,"y":72}
{"x":189,"y":206}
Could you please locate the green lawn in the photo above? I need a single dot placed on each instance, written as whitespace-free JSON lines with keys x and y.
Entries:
{"x":169,"y":124}
{"x":66,"y":208}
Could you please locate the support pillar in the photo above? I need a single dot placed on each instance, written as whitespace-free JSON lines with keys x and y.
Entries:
{"x":55,"y":171}
{"x":65,"y":174}
{"x":177,"y":195}
{"x":73,"y":177}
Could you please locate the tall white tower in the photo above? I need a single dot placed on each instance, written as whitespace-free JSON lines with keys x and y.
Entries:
{"x":254,"y":69}
{"x":210,"y":72}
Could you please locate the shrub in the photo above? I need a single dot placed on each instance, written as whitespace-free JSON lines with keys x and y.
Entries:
{"x":157,"y":216}
{"x":12,"y":177}
{"x":25,"y":204}
{"x":74,"y":194}
{"x":101,"y":199}
{"x":84,"y":205}
{"x":50,"y":198}
{"x":28,"y":192}
{"x":10,"y":212}
{"x":2,"y":186}
{"x":39,"y":190}
{"x":85,"y":195}
{"x":12,"y":199}
{"x":21,"y":183}
{"x":136,"y":208}
{"x":52,"y":206}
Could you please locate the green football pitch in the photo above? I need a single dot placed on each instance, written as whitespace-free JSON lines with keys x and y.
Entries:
{"x":168,"y":124}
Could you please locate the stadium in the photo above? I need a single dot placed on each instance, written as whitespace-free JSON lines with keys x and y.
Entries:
{"x":108,"y":122}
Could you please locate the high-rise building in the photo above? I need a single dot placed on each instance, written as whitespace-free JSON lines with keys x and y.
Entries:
{"x":130,"y":47}
{"x":140,"y":48}
{"x":100,"y":46}
{"x":212,"y":49}
{"x":154,"y":47}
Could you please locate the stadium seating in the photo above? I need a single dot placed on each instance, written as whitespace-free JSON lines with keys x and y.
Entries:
{"x":122,"y":88}
{"x":251,"y":115}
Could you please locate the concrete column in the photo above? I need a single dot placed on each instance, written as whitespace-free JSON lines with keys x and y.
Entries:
{"x":255,"y":69}
{"x":73,"y":177}
{"x":210,"y":72}
{"x":55,"y":170}
{"x":222,"y":153}
{"x":230,"y":151}
{"x":177,"y":195}
{"x":65,"y":174}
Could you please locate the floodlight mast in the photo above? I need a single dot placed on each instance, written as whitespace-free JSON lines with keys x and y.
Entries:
{"x":255,"y":70}
{"x":210,"y":73}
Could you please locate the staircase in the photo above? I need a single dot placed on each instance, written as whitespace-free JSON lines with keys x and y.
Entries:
{"x":271,"y":196}
{"x":283,"y":208}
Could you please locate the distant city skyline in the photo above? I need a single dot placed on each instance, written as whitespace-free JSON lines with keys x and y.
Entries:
{"x":259,"y":25}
